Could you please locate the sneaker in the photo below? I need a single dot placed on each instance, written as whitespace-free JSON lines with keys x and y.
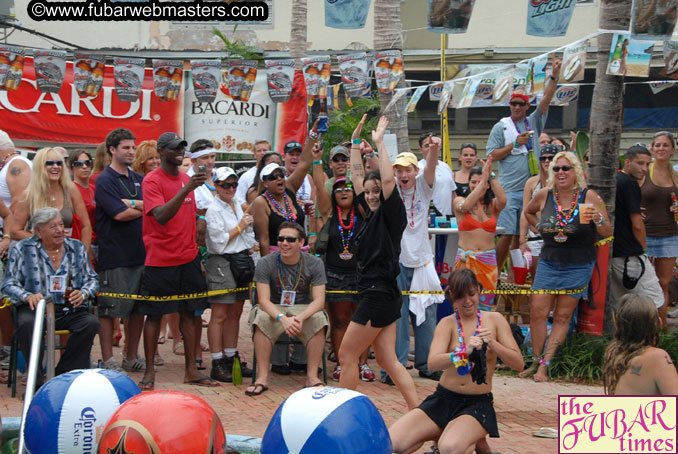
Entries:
{"x":112,"y":364}
{"x":366,"y":373}
{"x":336,"y":375}
{"x":133,"y":365}
{"x":388,"y":381}
{"x":673,"y":313}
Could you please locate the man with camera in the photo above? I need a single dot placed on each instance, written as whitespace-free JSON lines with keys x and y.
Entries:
{"x":513,"y":143}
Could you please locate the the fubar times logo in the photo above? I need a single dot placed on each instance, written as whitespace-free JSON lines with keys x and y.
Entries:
{"x":617,"y":424}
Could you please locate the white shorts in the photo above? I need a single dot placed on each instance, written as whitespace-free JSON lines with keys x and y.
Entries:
{"x":648,"y":284}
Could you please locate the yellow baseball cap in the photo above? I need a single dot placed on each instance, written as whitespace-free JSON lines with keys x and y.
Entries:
{"x":406,"y":159}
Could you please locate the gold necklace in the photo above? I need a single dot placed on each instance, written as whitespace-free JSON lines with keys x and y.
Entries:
{"x":54,"y":255}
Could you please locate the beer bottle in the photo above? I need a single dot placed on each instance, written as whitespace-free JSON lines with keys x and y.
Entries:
{"x":68,"y":292}
{"x":322,"y":116}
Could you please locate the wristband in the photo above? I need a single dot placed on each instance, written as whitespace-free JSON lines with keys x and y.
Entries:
{"x":6,"y":236}
{"x":312,"y":234}
{"x":319,"y":162}
{"x":239,"y":229}
{"x":201,"y":217}
{"x":131,"y":203}
{"x":600,"y":222}
{"x":645,"y":251}
{"x":515,"y":144}
{"x":552,"y":78}
{"x":492,"y":175}
{"x":356,"y":141}
{"x":277,"y":319}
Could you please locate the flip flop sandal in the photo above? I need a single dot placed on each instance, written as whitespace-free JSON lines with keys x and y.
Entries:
{"x":200,"y":365}
{"x":203,"y":381}
{"x":146,"y":385}
{"x":313,"y":386}
{"x":161,"y":340}
{"x":179,"y":348}
{"x":545,"y":432}
{"x":258,"y":390}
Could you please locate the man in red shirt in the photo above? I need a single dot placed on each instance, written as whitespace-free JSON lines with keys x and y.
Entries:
{"x":172,"y":264}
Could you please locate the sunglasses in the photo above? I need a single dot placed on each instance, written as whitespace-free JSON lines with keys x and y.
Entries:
{"x":289,"y":239}
{"x":340,"y":158}
{"x":346,"y":189}
{"x":469,"y":145}
{"x":563,"y":168}
{"x":273,"y":177}
{"x":428,"y":134}
{"x":87,"y":163}
{"x":641,"y":144}
{"x":54,"y":163}
{"x":203,"y":147}
{"x":664,"y":133}
{"x":518,"y":103}
{"x":545,"y":158}
{"x":229,"y":185}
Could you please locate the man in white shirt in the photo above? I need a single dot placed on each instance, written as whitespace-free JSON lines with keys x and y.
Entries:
{"x":246,"y":179}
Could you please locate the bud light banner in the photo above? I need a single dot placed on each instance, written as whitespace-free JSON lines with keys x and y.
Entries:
{"x":653,"y":20}
{"x":11,"y":67}
{"x":241,"y":77}
{"x":670,"y":69}
{"x":388,"y":69}
{"x":449,"y":16}
{"x":206,"y":75}
{"x":167,"y":77}
{"x":280,"y":76}
{"x":88,"y":74}
{"x":346,"y":14}
{"x":549,"y":17}
{"x":353,"y":68}
{"x":129,"y":76}
{"x":50,"y":66}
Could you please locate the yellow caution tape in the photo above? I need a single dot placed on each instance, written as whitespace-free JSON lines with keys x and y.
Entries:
{"x":604,"y":241}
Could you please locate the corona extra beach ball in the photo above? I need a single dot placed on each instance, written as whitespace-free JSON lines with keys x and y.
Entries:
{"x":328,"y":420}
{"x":69,"y":412}
{"x":167,"y":422}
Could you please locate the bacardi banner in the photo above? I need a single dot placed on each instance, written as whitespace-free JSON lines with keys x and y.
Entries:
{"x":449,"y":16}
{"x":232,"y":126}
{"x":549,"y":17}
{"x":65,"y":117}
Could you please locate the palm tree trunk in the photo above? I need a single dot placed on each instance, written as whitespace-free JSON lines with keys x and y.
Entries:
{"x":298,"y":32}
{"x":607,"y":113}
{"x":388,"y":35}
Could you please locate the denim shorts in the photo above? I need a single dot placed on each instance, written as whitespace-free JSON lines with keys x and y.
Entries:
{"x":509,"y":218}
{"x":662,"y":246}
{"x":341,"y":281}
{"x":563,"y":276}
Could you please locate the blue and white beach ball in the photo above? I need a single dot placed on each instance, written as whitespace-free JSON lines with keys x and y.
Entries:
{"x":70,"y":411}
{"x":328,"y":420}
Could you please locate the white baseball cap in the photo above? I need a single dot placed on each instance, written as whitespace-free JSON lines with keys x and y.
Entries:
{"x":223,"y":173}
{"x":270,"y":168}
{"x":5,"y":141}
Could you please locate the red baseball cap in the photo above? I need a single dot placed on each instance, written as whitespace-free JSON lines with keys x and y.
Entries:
{"x":521,"y":96}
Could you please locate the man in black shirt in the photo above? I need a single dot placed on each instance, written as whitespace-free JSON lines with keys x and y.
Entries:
{"x":631,"y":269}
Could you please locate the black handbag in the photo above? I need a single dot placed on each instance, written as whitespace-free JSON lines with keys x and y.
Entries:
{"x":242,"y":266}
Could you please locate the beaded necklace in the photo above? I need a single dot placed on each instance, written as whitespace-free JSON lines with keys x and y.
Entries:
{"x":4,"y":160}
{"x":287,"y":213}
{"x":564,"y":219}
{"x":459,"y":356}
{"x":298,"y":273}
{"x":345,"y":255}
{"x":136,"y":188}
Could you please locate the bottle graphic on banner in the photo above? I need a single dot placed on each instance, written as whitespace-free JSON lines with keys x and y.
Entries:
{"x":174,"y":85}
{"x":322,"y":116}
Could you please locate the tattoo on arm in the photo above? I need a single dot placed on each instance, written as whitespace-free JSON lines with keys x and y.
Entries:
{"x":668,"y":360}
{"x":635,"y":370}
{"x":15,"y":171}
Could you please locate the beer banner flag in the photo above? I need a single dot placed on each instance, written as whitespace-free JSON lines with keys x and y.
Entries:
{"x":388,"y":69}
{"x":564,"y":95}
{"x":445,"y":96}
{"x":629,"y":57}
{"x":457,"y":92}
{"x":317,"y":71}
{"x":50,"y":67}
{"x":397,"y":96}
{"x":469,"y":92}
{"x":167,"y":76}
{"x":412,"y":103}
{"x":574,"y":62}
{"x":670,"y":69}
{"x":549,"y":17}
{"x":129,"y":75}
{"x":241,"y":77}
{"x":435,"y":90}
{"x":84,"y":80}
{"x":280,"y":76}
{"x":653,"y":20}
{"x":354,"y":72}
{"x":346,"y":14}
{"x":449,"y":16}
{"x":206,"y":75}
{"x":503,"y":86}
{"x":11,"y":67}
{"x":535,"y":79}
{"x":661,"y":85}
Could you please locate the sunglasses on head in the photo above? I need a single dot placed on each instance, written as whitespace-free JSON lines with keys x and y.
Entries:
{"x":664,"y":133}
{"x":469,"y":145}
{"x":563,"y":168}
{"x":54,"y":163}
{"x":87,"y":163}
{"x":345,"y":189}
{"x":518,"y":103}
{"x":204,"y":146}
{"x":546,"y":158}
{"x":340,"y":158}
{"x":274,"y":176}
{"x":229,"y":185}
{"x":428,"y":134}
{"x":289,"y":239}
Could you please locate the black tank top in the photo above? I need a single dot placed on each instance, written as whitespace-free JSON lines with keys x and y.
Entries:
{"x":275,"y":219}
{"x":463,"y":189}
{"x":579,"y":246}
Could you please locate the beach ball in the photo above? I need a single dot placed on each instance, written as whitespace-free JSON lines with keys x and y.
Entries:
{"x":167,"y":422}
{"x":69,"y":412}
{"x":327,"y":420}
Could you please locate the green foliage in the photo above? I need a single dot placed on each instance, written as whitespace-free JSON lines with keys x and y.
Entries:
{"x":342,"y":123}
{"x":238,"y":48}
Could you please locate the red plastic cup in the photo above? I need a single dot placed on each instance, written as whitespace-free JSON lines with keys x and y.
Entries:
{"x":520,"y":275}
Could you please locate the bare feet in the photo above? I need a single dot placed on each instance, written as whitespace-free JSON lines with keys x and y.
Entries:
{"x":530,"y":371}
{"x":542,"y":374}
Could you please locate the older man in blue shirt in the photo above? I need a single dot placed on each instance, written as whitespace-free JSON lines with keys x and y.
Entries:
{"x":41,"y":267}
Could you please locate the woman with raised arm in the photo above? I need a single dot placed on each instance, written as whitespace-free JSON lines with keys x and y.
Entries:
{"x":633,"y":365}
{"x":460,"y":413}
{"x":378,"y":249}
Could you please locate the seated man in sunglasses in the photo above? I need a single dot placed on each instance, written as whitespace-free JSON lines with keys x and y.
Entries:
{"x":290,"y":288}
{"x":514,"y":145}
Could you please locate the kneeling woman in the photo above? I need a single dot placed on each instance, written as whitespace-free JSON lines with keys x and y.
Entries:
{"x":460,"y":413}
